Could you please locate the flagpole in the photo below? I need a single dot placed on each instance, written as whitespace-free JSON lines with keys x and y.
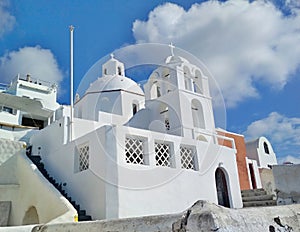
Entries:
{"x":71,"y":83}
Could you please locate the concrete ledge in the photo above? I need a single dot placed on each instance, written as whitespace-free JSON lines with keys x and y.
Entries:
{"x":202,"y":216}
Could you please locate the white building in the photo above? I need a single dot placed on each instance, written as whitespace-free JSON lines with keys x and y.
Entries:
{"x":26,"y":196}
{"x":135,"y":152}
{"x":262,"y":151}
{"x":26,"y":104}
{"x":260,"y":158}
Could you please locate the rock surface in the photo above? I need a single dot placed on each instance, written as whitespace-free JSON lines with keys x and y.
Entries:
{"x":202,"y":216}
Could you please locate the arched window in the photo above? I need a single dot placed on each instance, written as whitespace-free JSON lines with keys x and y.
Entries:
{"x":198,"y":86}
{"x":119,"y":71}
{"x":105,"y":71}
{"x":158,"y":93}
{"x":187,"y":78}
{"x":164,"y":112}
{"x":266,"y":148}
{"x":134,"y":108}
{"x":198,"y":115}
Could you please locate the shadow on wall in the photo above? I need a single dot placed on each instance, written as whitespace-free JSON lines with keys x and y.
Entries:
{"x":31,"y":216}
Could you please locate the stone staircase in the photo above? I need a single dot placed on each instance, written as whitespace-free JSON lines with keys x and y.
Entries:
{"x":82,"y":216}
{"x":257,"y":198}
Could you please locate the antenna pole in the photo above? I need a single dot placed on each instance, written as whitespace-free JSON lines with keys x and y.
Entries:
{"x":71,"y":83}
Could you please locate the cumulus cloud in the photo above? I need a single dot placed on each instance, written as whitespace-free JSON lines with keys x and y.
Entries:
{"x":289,"y":158}
{"x":283,"y":132}
{"x":292,"y":3}
{"x":243,"y":44}
{"x":7,"y":21}
{"x":39,"y":62}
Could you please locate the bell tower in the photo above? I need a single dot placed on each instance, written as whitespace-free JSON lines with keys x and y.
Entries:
{"x":182,"y":91}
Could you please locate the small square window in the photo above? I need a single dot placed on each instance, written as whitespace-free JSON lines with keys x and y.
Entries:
{"x":84,"y":153}
{"x":187,"y":158}
{"x":134,"y":151}
{"x":162,"y":154}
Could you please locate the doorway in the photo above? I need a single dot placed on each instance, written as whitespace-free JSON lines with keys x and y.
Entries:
{"x":222,"y":189}
{"x":252,"y":176}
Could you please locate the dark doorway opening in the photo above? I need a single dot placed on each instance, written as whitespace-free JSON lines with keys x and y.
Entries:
{"x":222,"y":190}
{"x":252,"y":176}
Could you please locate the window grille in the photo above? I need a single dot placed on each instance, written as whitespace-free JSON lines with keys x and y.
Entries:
{"x":84,"y":153}
{"x":162,"y":154}
{"x":134,"y":151}
{"x":187,"y":158}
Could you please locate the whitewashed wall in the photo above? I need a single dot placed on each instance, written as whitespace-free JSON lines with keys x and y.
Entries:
{"x":23,"y":185}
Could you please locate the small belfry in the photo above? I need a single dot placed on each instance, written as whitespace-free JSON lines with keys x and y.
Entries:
{"x":112,"y":93}
{"x":113,"y":67}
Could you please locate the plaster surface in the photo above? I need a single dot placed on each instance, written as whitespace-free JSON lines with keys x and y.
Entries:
{"x":287,"y":186}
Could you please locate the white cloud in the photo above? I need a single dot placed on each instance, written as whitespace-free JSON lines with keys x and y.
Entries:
{"x":277,"y":127}
{"x":289,"y":158}
{"x":242,"y":43}
{"x":7,"y":21}
{"x":39,"y":62}
{"x":292,"y":3}
{"x":283,"y":132}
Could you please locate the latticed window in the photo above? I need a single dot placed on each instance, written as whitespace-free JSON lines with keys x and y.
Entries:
{"x":84,"y":153}
{"x":162,"y":154}
{"x":134,"y":151}
{"x":187,"y":158}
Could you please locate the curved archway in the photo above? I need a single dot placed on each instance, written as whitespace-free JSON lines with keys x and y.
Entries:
{"x":222,"y":188}
{"x":198,"y":85}
{"x":187,"y":78}
{"x":198,"y":115}
{"x":31,"y":216}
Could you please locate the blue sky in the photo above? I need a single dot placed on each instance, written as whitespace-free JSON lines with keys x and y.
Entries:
{"x":251,"y":48}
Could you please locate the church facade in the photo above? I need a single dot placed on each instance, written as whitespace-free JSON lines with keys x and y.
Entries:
{"x":132,"y":152}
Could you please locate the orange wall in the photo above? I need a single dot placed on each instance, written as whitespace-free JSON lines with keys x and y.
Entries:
{"x":240,"y":157}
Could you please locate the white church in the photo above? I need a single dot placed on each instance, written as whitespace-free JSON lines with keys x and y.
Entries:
{"x":124,"y":151}
{"x":130,"y":152}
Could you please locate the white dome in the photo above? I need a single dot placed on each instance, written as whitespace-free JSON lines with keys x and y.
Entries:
{"x":114,"y":82}
{"x":176,"y":60}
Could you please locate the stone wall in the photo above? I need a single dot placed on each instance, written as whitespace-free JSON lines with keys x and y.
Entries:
{"x":267,"y":180}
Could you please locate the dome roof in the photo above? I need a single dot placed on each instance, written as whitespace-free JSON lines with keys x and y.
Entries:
{"x":114,"y":82}
{"x":176,"y":60}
